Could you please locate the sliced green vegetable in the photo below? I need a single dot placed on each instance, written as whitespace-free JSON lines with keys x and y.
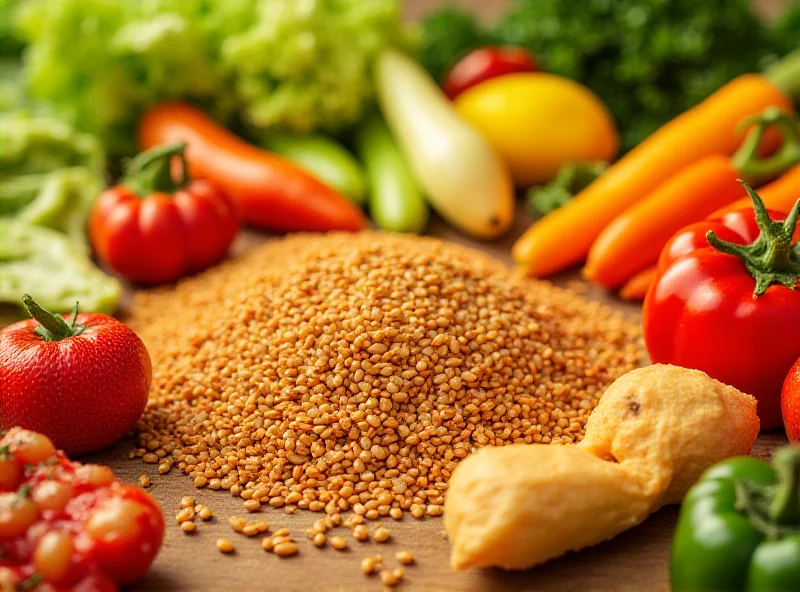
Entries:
{"x":63,"y":202}
{"x":30,"y":145}
{"x":51,"y":174}
{"x":395,"y":200}
{"x":53,"y":269}
{"x":570,"y":180}
{"x":323,"y":157}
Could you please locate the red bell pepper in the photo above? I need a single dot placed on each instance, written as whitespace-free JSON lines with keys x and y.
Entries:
{"x":725,"y":301}
{"x":153,"y":229}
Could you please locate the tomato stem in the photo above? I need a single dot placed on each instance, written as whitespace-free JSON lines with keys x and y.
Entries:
{"x":151,"y":171}
{"x":772,"y":258}
{"x":747,"y":162}
{"x":52,"y":327}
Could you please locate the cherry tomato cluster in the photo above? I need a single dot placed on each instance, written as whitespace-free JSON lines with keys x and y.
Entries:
{"x":65,"y":526}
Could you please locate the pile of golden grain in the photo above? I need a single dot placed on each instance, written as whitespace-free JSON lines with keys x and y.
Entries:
{"x":353,"y":371}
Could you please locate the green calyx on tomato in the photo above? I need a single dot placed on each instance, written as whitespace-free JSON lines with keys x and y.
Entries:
{"x":151,"y":171}
{"x":739,"y":528}
{"x":772,"y":258}
{"x":52,"y":327}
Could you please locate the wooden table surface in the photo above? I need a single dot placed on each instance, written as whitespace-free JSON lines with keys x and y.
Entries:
{"x":635,"y":561}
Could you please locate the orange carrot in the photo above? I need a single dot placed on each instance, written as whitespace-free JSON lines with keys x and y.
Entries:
{"x":563,"y":238}
{"x":633,"y":241}
{"x":779,"y":195}
{"x":636,"y":288}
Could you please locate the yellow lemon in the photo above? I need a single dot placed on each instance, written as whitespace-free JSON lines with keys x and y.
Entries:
{"x":539,"y":122}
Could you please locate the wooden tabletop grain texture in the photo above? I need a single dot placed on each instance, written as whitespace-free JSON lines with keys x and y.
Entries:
{"x":634,"y":561}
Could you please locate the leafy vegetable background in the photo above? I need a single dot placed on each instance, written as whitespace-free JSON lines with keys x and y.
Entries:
{"x":649,"y":60}
{"x":290,"y":64}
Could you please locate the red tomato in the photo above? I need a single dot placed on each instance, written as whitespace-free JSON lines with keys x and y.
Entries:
{"x":152,"y":230}
{"x":84,"y":384}
{"x":68,"y":527}
{"x":485,"y":63}
{"x":790,"y":403}
{"x":706,"y":311}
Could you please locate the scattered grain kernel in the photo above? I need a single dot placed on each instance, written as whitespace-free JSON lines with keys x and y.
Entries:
{"x":144,"y":481}
{"x":319,"y":526}
{"x":250,"y":530}
{"x":237,"y":523}
{"x":434,"y":510}
{"x":405,"y":557}
{"x":261,"y":526}
{"x":188,"y":526}
{"x":283,"y":532}
{"x":205,"y":514}
{"x":444,"y":351}
{"x":285,"y":549}
{"x":360,"y":533}
{"x":396,"y":513}
{"x":388,"y":578}
{"x":338,"y":543}
{"x":187,"y":501}
{"x":399,"y":573}
{"x":382,"y":534}
{"x":368,"y":565}
{"x":184,"y":515}
{"x":252,"y":505}
{"x":225,"y":546}
{"x":319,"y":539}
{"x":267,"y":544}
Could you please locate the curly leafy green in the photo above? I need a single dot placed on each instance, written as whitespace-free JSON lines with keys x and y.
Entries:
{"x":99,"y":64}
{"x":306,"y":64}
{"x":571,"y":179}
{"x":449,"y":34}
{"x":787,"y":28}
{"x":291,"y":64}
{"x":649,"y":60}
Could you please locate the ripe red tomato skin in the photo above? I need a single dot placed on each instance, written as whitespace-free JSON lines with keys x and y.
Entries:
{"x":485,"y":63}
{"x":700,"y":313}
{"x":85,"y":392}
{"x":790,"y":403}
{"x":128,"y":560}
{"x":160,"y":238}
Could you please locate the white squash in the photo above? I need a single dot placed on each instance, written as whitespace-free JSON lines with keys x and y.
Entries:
{"x":465,"y":180}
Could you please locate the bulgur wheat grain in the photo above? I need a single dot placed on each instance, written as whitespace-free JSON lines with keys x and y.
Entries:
{"x":354,"y":371}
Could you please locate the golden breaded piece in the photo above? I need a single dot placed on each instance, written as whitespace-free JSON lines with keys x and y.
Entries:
{"x":653,"y":433}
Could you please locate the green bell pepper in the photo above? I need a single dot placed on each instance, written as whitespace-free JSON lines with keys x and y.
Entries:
{"x":739,"y":528}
